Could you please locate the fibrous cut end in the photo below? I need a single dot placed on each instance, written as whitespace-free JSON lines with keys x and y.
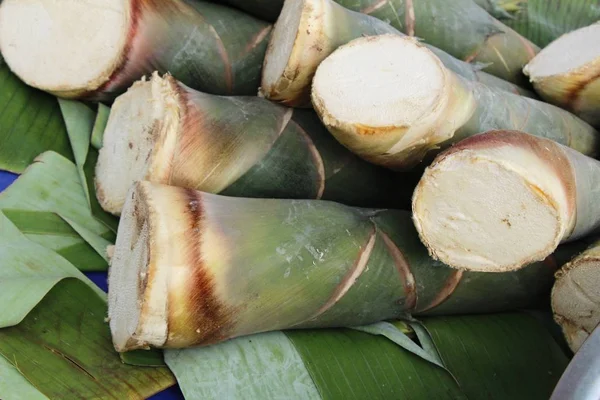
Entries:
{"x":139,"y":140}
{"x":281,"y":45}
{"x":401,"y":87}
{"x":567,"y":54}
{"x":65,"y":47}
{"x":576,"y":300}
{"x":492,"y":207}
{"x":137,"y":296}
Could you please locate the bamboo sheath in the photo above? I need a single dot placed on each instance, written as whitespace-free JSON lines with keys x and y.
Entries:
{"x":192,"y":268}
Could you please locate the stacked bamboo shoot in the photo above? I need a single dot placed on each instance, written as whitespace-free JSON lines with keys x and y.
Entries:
{"x":191,"y":268}
{"x":567,"y":73}
{"x":165,"y":132}
{"x":97,"y":49}
{"x":308,"y":31}
{"x":409,"y":105}
{"x":501,"y":200}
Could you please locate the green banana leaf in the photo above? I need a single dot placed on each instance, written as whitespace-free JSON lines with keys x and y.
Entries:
{"x":499,"y":356}
{"x":40,"y":200}
{"x":100,"y":125}
{"x":63,"y":347}
{"x":81,"y":123}
{"x":28,"y":272}
{"x":53,"y":328}
{"x":487,"y":356}
{"x":543,"y":21}
{"x":30,"y":123}
{"x":79,"y":120}
{"x":14,"y":386}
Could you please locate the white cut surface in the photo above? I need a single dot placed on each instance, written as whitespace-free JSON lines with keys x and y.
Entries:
{"x":129,"y":266}
{"x":479,"y":214}
{"x":62,"y":45}
{"x":386,"y":80}
{"x":567,"y":53}
{"x":282,"y":42}
{"x":576,"y":300}
{"x":131,"y":136}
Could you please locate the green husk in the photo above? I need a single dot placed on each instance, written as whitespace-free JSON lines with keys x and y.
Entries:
{"x":543,"y":21}
{"x":14,"y":386}
{"x":63,"y":348}
{"x":30,"y":121}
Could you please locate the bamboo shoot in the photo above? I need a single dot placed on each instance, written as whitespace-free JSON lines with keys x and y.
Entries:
{"x":96,"y":49}
{"x":191,"y":268}
{"x":165,"y":132}
{"x":308,"y":31}
{"x":567,"y":73}
{"x":408,"y":105}
{"x":501,"y":200}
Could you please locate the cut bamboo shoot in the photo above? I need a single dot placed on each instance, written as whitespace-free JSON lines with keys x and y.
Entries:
{"x":501,"y":200}
{"x":408,"y":105}
{"x":459,"y":27}
{"x":192,"y":268}
{"x":567,"y":73}
{"x":164,"y":132}
{"x":576,"y":297}
{"x":98,"y":48}
{"x":308,"y":31}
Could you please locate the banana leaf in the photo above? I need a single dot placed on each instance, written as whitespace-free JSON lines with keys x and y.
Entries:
{"x":30,"y":123}
{"x":28,"y":272}
{"x":81,"y":123}
{"x":79,"y":120}
{"x":63,"y":347}
{"x":100,"y":125}
{"x":490,"y":356}
{"x":14,"y":386}
{"x":53,"y":232}
{"x":499,"y":356}
{"x":51,"y":185}
{"x":53,"y":328}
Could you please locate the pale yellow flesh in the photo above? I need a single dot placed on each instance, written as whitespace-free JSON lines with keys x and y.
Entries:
{"x":63,"y":45}
{"x":566,"y":54}
{"x":390,"y":82}
{"x":490,"y":211}
{"x":576,"y":301}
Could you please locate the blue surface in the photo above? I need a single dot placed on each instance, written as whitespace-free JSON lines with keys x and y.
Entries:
{"x":99,"y":278}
